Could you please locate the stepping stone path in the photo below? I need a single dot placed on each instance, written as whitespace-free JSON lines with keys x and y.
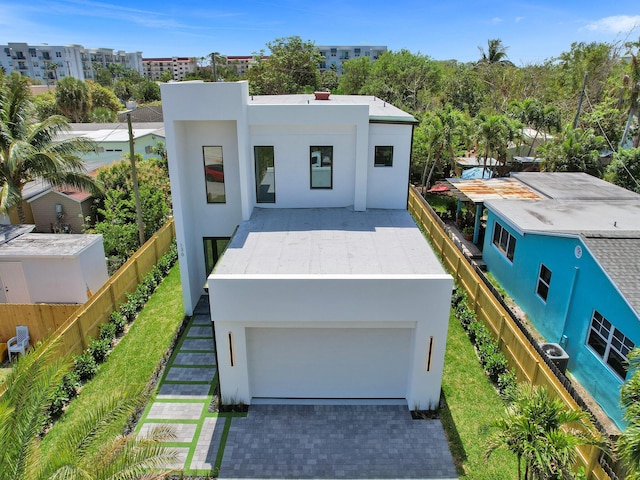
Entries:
{"x":183,"y":397}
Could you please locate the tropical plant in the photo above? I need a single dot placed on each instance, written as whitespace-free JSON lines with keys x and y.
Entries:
{"x":543,"y":433}
{"x":73,"y":99}
{"x":85,"y":452}
{"x":574,"y":150}
{"x":31,"y":150}
{"x":628,"y":446}
{"x":496,"y":52}
{"x":493,"y":134}
{"x":624,"y":169}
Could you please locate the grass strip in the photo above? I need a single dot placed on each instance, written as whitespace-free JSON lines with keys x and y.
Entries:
{"x":132,"y":362}
{"x":472,"y":403}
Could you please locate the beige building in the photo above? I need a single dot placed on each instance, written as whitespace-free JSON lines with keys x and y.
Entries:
{"x":56,"y":211}
{"x":178,"y":66}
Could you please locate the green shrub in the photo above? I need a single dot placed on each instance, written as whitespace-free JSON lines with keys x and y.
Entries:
{"x":143,"y":292}
{"x":85,"y":366}
{"x":128,"y":310}
{"x":107,"y":331}
{"x":137,"y":299}
{"x":495,"y":365}
{"x":458,"y":295}
{"x":507,"y":384}
{"x":119,"y":322}
{"x":99,"y":349}
{"x":65,"y":392}
{"x":157,"y":274}
{"x":466,"y":317}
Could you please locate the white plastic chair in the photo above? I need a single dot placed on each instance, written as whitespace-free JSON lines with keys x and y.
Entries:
{"x":20,"y":342}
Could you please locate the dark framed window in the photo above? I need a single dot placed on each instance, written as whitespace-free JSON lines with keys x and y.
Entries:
{"x":265,"y":174}
{"x":504,"y":241}
{"x":214,"y":247}
{"x":321,"y":167}
{"x":544,"y":281}
{"x":214,"y":174}
{"x":609,"y":343}
{"x":383,"y":157}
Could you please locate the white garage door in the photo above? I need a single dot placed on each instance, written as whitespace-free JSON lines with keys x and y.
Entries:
{"x":328,"y":362}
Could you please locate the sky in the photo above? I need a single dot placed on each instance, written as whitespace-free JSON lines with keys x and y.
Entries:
{"x":533,"y":30}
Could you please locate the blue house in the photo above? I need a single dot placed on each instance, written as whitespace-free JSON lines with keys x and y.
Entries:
{"x":571,"y":261}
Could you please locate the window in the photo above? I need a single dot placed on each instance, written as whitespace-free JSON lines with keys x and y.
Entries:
{"x":356,"y":52}
{"x":214,"y":247}
{"x":609,"y":343}
{"x":265,"y":175}
{"x":214,"y":174}
{"x":504,"y":241}
{"x":383,"y":157}
{"x":334,"y":51}
{"x":58,"y":54}
{"x":148,"y":149}
{"x":321,"y":175}
{"x":544,"y":280}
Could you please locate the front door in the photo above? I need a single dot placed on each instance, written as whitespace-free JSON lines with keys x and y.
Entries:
{"x":13,"y":283}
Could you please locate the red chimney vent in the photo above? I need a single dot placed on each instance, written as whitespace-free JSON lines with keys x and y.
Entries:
{"x":322,"y":95}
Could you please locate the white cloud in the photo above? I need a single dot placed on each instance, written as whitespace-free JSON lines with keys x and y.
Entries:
{"x":496,"y":20}
{"x":519,"y":19}
{"x":615,"y":24}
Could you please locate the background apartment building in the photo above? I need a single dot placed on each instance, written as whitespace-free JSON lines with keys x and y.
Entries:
{"x":154,"y":68}
{"x":50,"y":63}
{"x":336,"y":55}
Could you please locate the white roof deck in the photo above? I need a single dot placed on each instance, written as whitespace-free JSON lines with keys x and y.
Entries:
{"x":48,"y":245}
{"x":329,"y":241}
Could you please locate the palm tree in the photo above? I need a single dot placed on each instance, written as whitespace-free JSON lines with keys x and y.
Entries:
{"x":543,"y":433}
{"x":444,"y":132}
{"x":496,"y":52}
{"x":628,"y":446}
{"x":30,"y":150}
{"x":82,"y":453}
{"x":493,"y":132}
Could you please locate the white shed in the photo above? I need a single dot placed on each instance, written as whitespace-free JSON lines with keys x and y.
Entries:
{"x":51,"y":268}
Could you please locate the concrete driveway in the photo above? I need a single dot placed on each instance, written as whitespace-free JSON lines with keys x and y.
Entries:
{"x":335,"y":441}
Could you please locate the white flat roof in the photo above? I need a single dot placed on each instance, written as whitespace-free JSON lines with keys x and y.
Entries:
{"x":570,"y":216}
{"x":329,"y":241}
{"x":378,"y":109}
{"x":113,"y":132}
{"x":48,"y":245}
{"x":573,"y":186}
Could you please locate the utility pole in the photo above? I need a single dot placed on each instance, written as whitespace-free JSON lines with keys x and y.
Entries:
{"x":584,"y":87}
{"x":213,"y":63}
{"x":134,"y":179}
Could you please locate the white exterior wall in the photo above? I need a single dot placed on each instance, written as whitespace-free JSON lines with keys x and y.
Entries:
{"x":333,"y":302}
{"x":195,"y":118}
{"x":384,"y":188}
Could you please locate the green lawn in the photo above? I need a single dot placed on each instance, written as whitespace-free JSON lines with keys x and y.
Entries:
{"x":133,"y":361}
{"x":472,"y":403}
{"x":4,"y":372}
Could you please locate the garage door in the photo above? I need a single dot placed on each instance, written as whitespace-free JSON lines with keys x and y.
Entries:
{"x":328,"y":362}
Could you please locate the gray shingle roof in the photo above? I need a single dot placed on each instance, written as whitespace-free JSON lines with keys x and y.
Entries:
{"x":619,"y":256}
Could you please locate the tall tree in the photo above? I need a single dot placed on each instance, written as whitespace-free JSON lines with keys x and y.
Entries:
{"x":493,"y":133}
{"x":291,"y":67}
{"x":31,"y":150}
{"x":624,"y":170}
{"x":496,"y":52}
{"x":543,"y":434}
{"x":73,"y":99}
{"x":355,"y":73}
{"x":85,"y":452}
{"x":573,"y":150}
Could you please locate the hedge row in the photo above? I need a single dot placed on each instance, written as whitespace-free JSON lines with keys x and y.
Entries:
{"x":491,"y":358}
{"x":86,"y":364}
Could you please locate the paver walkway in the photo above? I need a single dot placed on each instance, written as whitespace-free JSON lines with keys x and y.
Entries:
{"x":286,"y":441}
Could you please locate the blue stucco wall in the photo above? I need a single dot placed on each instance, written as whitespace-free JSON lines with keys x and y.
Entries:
{"x":578,"y":287}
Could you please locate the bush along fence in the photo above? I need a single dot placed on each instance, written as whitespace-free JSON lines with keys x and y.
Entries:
{"x":85,"y":364}
{"x":493,"y":361}
{"x":522,"y":352}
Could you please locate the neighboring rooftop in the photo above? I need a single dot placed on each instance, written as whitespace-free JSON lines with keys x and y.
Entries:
{"x":571,"y":216}
{"x":9,"y":232}
{"x":379,"y":110}
{"x":479,"y":190}
{"x":328,"y":241}
{"x":113,"y":132}
{"x":573,"y":186}
{"x":619,"y":256}
{"x":47,"y":245}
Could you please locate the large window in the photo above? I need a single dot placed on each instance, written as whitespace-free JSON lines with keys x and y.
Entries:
{"x":609,"y":343}
{"x":321,"y":175}
{"x":383,"y":157}
{"x":265,"y":175}
{"x":213,"y":249}
{"x":214,"y":174}
{"x":504,"y":241}
{"x":544,"y":280}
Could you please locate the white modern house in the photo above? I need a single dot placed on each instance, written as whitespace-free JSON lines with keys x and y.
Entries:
{"x":335,"y":55}
{"x":291,"y":210}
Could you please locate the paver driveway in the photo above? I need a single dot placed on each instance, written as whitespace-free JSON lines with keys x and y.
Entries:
{"x":286,"y":441}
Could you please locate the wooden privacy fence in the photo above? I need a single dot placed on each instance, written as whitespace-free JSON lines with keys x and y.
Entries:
{"x":75,"y":323}
{"x":525,"y":359}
